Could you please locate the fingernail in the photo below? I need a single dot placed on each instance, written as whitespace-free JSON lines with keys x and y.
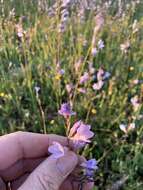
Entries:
{"x":67,"y":163}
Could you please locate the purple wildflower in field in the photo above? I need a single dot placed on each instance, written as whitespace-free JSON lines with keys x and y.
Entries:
{"x":98,"y":85}
{"x":101,"y":44}
{"x":81,"y":132}
{"x":64,"y":15}
{"x":66,"y":110}
{"x":90,"y":167}
{"x":106,"y":75}
{"x":61,"y":71}
{"x":84,"y":78}
{"x":57,"y":150}
{"x":61,"y":28}
{"x":100,"y":74}
{"x":20,"y":31}
{"x":82,"y":90}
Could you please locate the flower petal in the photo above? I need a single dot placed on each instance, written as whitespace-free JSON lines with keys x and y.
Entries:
{"x":123,"y":128}
{"x":57,"y":150}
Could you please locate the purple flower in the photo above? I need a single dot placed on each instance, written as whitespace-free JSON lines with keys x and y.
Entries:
{"x":20,"y":31}
{"x":66,"y":110}
{"x":100,"y":74}
{"x":61,"y":71}
{"x":90,"y":166}
{"x":101,"y":44}
{"x":98,"y":85}
{"x":106,"y":75}
{"x":84,"y":78}
{"x":82,"y":90}
{"x":80,"y":133}
{"x":57,"y":150}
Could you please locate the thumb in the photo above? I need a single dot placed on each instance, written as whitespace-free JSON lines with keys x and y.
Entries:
{"x":51,"y":173}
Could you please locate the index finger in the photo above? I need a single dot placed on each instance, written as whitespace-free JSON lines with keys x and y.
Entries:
{"x":22,"y":145}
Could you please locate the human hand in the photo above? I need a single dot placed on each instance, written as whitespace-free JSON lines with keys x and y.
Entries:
{"x":25,"y":163}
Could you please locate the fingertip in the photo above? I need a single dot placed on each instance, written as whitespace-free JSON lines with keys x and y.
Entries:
{"x":71,"y":158}
{"x":67,"y":163}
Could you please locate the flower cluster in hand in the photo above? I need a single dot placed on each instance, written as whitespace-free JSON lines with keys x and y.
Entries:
{"x":79,"y":135}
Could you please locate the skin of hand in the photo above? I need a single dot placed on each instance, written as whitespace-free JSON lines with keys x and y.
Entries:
{"x":24,"y":161}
